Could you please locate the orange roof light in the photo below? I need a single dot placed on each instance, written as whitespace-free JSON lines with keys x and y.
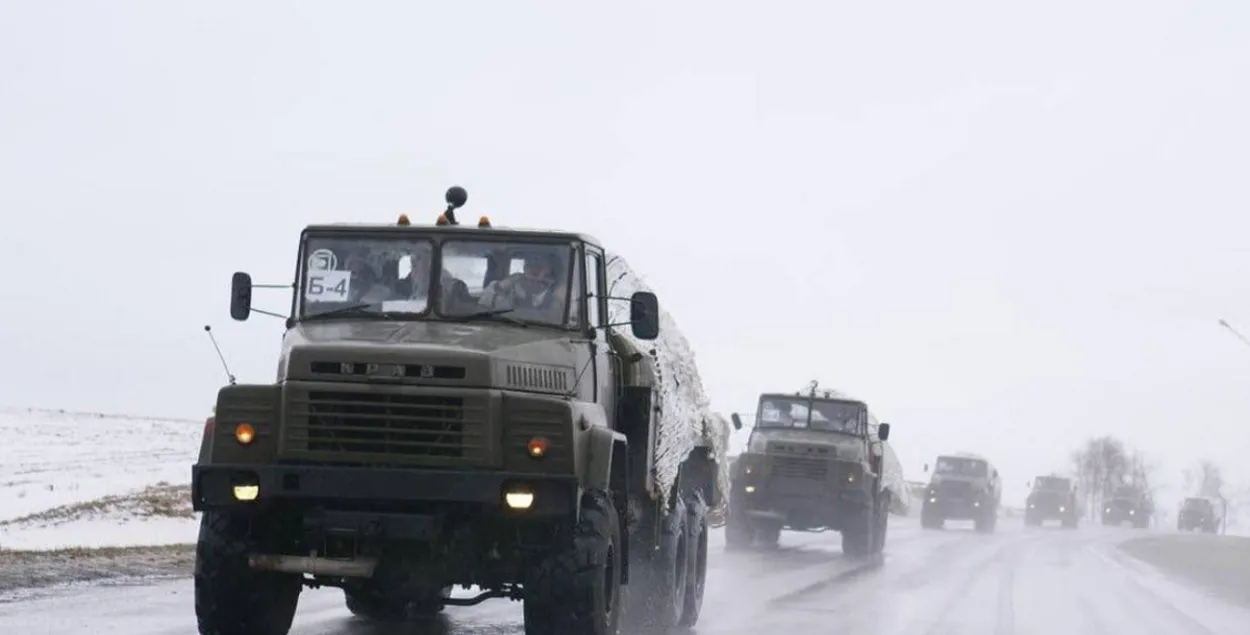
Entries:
{"x":442,"y":220}
{"x":483,"y":222}
{"x":403,"y":220}
{"x":537,"y":447}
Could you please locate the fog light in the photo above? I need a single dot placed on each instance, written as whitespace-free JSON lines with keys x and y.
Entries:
{"x":977,"y":504}
{"x":850,"y":478}
{"x":246,"y":492}
{"x":1132,"y":512}
{"x":537,"y":447}
{"x":519,"y":499}
{"x":932,"y":499}
{"x":1061,"y":508}
{"x":244,"y":433}
{"x":750,"y":489}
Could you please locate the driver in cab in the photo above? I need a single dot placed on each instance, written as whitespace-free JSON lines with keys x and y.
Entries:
{"x":535,"y":289}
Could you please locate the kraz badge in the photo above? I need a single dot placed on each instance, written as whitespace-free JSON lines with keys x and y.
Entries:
{"x":384,"y":370}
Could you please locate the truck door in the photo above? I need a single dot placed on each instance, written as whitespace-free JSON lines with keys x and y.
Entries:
{"x":597,"y":317}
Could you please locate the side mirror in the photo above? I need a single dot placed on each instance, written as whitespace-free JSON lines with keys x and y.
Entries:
{"x":926,"y":468}
{"x":883,"y":431}
{"x":737,"y":421}
{"x":1028,"y":483}
{"x":240,"y":296}
{"x":644,"y":315}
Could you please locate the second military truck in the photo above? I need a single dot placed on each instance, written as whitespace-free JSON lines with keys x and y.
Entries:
{"x":1052,"y":498}
{"x":1128,"y":503}
{"x":813,"y":462}
{"x":963,"y":487}
{"x":1198,"y":513}
{"x":460,"y":406}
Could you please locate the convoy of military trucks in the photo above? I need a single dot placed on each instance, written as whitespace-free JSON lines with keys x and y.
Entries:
{"x":511,"y":411}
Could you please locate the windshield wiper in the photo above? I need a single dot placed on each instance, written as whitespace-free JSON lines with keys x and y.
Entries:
{"x":477,"y":315}
{"x":358,"y":309}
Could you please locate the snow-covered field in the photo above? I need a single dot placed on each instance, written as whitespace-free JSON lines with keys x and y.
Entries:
{"x":91,"y":480}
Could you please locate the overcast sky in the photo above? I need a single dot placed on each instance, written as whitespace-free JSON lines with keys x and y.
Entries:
{"x":1008,"y":229}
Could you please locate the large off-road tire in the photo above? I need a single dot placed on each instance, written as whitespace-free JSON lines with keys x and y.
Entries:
{"x":930,"y":519}
{"x":883,"y":522}
{"x":858,"y":530}
{"x":696,"y":578}
{"x":375,"y":606}
{"x":739,"y":531}
{"x":230,"y":597}
{"x":768,"y":535}
{"x":657,"y":588}
{"x":578,"y":589}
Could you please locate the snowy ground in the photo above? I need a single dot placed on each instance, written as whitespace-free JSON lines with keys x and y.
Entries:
{"x":90,"y":480}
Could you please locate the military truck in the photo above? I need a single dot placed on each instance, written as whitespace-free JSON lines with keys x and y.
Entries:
{"x":1198,"y":513}
{"x":418,"y":437}
{"x":964,"y":486}
{"x":1128,"y":503}
{"x":1052,"y":498}
{"x":812,"y":463}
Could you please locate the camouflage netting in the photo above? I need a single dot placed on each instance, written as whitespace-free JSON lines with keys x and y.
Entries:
{"x":685,"y":419}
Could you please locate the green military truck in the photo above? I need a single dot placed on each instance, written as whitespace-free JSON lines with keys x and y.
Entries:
{"x":418,"y":437}
{"x":813,"y":463}
{"x":1128,"y":503}
{"x":1198,"y":513}
{"x":964,"y":486}
{"x":1052,"y":498}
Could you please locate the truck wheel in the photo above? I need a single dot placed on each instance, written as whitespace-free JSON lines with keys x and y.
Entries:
{"x":739,"y":532}
{"x":858,"y":531}
{"x":768,"y":536}
{"x":696,"y":578}
{"x":883,"y":523}
{"x":930,"y":520}
{"x":657,"y":598}
{"x":230,"y":597}
{"x":985,"y":524}
{"x":578,"y":590}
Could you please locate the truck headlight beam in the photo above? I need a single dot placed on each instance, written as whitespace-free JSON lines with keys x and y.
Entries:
{"x":518,"y":498}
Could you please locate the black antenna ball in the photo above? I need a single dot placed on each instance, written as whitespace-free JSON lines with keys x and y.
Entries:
{"x":456,"y":196}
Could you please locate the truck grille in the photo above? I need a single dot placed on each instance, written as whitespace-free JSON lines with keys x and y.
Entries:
{"x":955,"y":489}
{"x":385,"y":425}
{"x":800,"y":467}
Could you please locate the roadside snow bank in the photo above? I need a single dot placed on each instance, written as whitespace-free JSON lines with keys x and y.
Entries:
{"x":84,"y":479}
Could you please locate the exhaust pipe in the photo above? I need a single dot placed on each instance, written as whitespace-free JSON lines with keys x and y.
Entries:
{"x":358,"y":568}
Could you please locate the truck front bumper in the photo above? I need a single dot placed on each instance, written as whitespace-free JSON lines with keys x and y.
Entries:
{"x":238,"y":487}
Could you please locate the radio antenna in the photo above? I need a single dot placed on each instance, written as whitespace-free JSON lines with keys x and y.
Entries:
{"x":208,"y":329}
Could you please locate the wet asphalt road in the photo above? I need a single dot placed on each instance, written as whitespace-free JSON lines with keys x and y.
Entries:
{"x":1017,"y":581}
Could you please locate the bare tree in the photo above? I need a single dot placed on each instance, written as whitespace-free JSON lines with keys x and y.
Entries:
{"x":1101,"y":464}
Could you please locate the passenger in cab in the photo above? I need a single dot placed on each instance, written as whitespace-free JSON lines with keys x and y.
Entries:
{"x":534,"y":289}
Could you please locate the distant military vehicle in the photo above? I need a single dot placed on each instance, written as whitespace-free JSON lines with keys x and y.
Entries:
{"x":964,"y":486}
{"x":1198,"y":513}
{"x":813,"y":462}
{"x":1052,"y":498}
{"x":420,"y":436}
{"x":1128,"y":503}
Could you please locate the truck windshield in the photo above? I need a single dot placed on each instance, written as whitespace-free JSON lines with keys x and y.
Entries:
{"x":959,"y":466}
{"x":1196,"y":503}
{"x":363,"y":275}
{"x":1050,"y":483}
{"x":1125,"y":491}
{"x":524,"y":280}
{"x":826,"y":415}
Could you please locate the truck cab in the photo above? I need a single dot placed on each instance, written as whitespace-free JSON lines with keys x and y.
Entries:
{"x":1198,"y":513}
{"x":1052,"y":498}
{"x":1128,"y":503}
{"x":963,"y":486}
{"x":812,"y":463}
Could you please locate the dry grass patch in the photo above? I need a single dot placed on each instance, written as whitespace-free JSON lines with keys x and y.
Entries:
{"x":162,"y":500}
